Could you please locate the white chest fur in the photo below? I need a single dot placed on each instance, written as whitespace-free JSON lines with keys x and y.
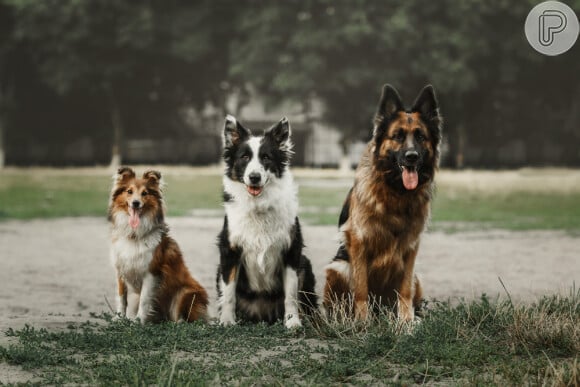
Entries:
{"x":132,"y":257}
{"x":263,"y":238}
{"x":262,"y":227}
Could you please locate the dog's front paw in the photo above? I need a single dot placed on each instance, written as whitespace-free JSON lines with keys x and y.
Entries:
{"x":361,"y":310}
{"x":227,"y":320}
{"x":141,"y":318}
{"x":292,"y":321}
{"x":406,"y":314}
{"x":118,"y":317}
{"x":409,"y":327}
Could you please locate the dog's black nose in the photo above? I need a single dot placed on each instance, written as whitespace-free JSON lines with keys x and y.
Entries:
{"x":411,"y":156}
{"x":255,"y":178}
{"x":136,"y":204}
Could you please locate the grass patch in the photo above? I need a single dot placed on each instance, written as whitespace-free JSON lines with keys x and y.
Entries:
{"x":28,"y":195}
{"x":512,"y":210}
{"x":36,"y":195}
{"x":480,"y":342}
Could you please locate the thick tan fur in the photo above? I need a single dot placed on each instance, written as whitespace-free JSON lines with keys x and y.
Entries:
{"x":148,"y":250}
{"x":382,"y":231}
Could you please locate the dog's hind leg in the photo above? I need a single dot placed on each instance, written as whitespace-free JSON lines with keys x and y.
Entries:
{"x":337,"y":296}
{"x":192,"y":305}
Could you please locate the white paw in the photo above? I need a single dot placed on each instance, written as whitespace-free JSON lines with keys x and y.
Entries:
{"x":292,"y":321}
{"x":227,"y":319}
{"x":409,"y":327}
{"x":119,"y":317}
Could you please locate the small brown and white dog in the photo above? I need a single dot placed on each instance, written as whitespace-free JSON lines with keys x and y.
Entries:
{"x":153,"y":282}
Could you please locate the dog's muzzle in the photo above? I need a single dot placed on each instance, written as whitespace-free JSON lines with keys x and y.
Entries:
{"x":409,"y":168}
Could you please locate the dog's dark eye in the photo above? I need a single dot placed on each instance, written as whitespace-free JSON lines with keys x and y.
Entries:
{"x":399,"y":136}
{"x":265,"y":157}
{"x":246,"y":157}
{"x":130,"y":191}
{"x":419,"y":136}
{"x":144,"y":193}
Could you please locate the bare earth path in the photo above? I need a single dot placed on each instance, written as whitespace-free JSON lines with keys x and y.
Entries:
{"x":54,"y":272}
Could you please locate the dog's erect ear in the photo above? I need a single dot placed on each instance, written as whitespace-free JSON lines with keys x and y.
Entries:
{"x":124,"y":173}
{"x":152,"y":177}
{"x":234,"y":132}
{"x":280,"y":133}
{"x":426,"y":103}
{"x":389,"y":104}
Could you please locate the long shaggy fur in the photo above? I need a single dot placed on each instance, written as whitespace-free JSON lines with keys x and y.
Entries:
{"x":386,"y":210}
{"x":262,"y":275}
{"x":153,"y":281}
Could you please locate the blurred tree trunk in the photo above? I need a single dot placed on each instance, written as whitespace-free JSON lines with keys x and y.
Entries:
{"x":571,"y":154}
{"x":2,"y":154}
{"x":117,"y":122}
{"x":460,"y":147}
{"x":1,"y":145}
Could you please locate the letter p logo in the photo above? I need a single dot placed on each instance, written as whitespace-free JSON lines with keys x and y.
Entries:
{"x":551,"y":22}
{"x":551,"y":28}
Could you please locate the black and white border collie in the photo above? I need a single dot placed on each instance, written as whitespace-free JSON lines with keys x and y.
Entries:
{"x":262,"y":275}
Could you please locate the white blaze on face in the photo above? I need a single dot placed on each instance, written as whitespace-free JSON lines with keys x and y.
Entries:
{"x":254,"y":166}
{"x":409,"y":144}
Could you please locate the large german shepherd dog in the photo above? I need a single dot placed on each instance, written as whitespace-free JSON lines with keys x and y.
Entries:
{"x":386,"y":210}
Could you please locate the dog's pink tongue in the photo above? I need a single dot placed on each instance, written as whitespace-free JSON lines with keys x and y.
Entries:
{"x":410,"y":178}
{"x":254,"y":191}
{"x":133,"y":218}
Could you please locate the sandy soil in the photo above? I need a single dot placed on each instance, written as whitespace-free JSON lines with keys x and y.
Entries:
{"x":58,"y":271}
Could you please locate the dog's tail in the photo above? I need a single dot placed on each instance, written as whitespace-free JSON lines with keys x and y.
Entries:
{"x":193,"y":305}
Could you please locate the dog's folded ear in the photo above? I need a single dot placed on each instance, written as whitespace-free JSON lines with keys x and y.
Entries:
{"x":234,"y":132}
{"x":280,"y":133}
{"x":124,"y":173}
{"x":152,"y":177}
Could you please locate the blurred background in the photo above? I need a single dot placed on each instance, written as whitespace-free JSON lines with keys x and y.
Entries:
{"x":87,"y":85}
{"x":99,"y":82}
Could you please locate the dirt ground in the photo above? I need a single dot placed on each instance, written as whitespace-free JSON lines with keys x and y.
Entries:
{"x":58,"y":271}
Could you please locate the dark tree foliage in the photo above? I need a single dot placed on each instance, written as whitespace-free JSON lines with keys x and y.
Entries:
{"x":498,"y":94}
{"x":117,"y":68}
{"x":110,"y":67}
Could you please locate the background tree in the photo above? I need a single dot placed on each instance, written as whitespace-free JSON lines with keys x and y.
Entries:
{"x":89,"y":66}
{"x":152,"y":58}
{"x":495,"y":89}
